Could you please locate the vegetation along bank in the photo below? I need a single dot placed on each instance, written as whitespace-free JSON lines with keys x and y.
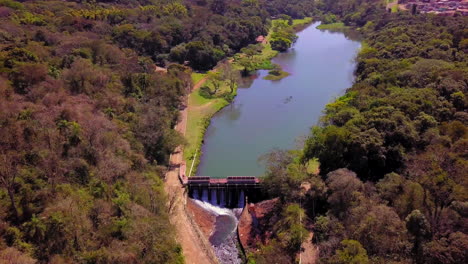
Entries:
{"x":392,"y":186}
{"x":86,"y":123}
{"x":217,"y":88}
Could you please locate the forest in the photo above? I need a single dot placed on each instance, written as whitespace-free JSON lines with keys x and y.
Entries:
{"x":392,"y":151}
{"x":86,"y":123}
{"x":86,"y":130}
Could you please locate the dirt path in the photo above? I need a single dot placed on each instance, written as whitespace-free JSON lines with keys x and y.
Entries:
{"x":200,"y":83}
{"x":196,"y":248}
{"x":309,"y":253}
{"x":392,"y":4}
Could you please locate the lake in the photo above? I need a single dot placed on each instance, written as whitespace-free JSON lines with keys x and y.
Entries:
{"x":274,"y":114}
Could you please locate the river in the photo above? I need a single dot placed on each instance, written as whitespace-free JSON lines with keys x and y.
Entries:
{"x":273,"y":114}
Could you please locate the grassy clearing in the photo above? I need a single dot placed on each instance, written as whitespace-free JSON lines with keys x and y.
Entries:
{"x":299,"y":24}
{"x":304,"y":21}
{"x":197,"y":123}
{"x":200,"y":111}
{"x":333,"y":26}
{"x":196,"y":77}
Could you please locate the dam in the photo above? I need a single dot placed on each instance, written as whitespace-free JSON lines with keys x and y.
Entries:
{"x":227,"y":192}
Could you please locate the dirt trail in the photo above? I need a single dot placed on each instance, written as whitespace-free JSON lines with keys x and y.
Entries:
{"x":392,"y":4}
{"x":196,"y":248}
{"x":200,"y":83}
{"x":310,"y":252}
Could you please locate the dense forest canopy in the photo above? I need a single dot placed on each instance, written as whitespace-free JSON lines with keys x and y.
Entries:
{"x":86,"y":129}
{"x":392,"y":150}
{"x":86,"y":123}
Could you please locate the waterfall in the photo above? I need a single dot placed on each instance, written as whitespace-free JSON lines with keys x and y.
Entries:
{"x":224,"y":237}
{"x":241,"y":202}
{"x":205,"y":195}
{"x":222,"y":200}
{"x":195,"y":194}
{"x":214,"y":197}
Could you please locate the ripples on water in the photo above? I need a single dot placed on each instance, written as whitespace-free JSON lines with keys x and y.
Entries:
{"x":267,"y":115}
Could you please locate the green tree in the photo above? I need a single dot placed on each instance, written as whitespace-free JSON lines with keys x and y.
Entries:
{"x":280,"y":43}
{"x":8,"y":173}
{"x":216,"y":80}
{"x":283,"y":177}
{"x":344,"y":189}
{"x":351,"y":252}
{"x":230,"y":75}
{"x":420,"y":230}
{"x":291,"y":229}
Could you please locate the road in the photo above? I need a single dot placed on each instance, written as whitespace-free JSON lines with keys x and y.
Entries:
{"x":196,"y":248}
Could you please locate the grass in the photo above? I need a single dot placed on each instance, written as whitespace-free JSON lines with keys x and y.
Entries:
{"x":333,"y":26}
{"x":196,"y":77}
{"x":200,"y":111}
{"x":298,"y":22}
{"x":276,"y":75}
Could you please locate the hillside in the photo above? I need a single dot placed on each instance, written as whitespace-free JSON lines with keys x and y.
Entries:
{"x":86,"y":123}
{"x":392,"y":150}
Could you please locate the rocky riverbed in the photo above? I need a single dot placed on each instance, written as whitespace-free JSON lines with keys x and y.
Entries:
{"x":227,"y":252}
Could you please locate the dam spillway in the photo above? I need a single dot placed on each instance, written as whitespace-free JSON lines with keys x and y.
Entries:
{"x":228,"y":192}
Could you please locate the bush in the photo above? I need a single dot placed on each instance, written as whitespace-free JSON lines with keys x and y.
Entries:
{"x":205,"y":92}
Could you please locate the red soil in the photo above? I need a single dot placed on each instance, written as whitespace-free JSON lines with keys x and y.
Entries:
{"x":255,"y":224}
{"x":204,"y":219}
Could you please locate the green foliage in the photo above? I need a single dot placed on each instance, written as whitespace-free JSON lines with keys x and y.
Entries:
{"x":352,"y":252}
{"x":290,"y":229}
{"x":175,"y":9}
{"x":389,"y":149}
{"x":333,"y":26}
{"x":329,"y":19}
{"x":28,"y":18}
{"x":205,"y":92}
{"x":276,"y":75}
{"x":87,"y":127}
{"x":284,"y":175}
{"x":283,"y":36}
{"x":12,"y":4}
{"x":280,"y":43}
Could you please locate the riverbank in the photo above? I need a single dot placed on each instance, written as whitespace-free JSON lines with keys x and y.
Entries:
{"x":273,"y":114}
{"x":201,"y":109}
{"x":333,"y":26}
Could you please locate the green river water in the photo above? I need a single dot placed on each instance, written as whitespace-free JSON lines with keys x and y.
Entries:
{"x":274,"y":114}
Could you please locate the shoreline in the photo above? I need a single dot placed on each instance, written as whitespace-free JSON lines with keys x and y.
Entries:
{"x":192,"y":154}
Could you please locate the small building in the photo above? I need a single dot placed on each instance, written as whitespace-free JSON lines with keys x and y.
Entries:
{"x":261,"y":39}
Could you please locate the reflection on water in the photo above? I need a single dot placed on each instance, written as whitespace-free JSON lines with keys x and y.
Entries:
{"x":349,"y":33}
{"x":235,"y":112}
{"x":270,"y":114}
{"x":246,"y":82}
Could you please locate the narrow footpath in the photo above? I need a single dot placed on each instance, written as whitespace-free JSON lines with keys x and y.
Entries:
{"x":196,"y":248}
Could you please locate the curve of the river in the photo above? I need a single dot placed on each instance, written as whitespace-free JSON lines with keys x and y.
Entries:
{"x":273,"y":114}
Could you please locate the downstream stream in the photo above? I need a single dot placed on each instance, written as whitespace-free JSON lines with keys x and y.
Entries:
{"x":273,"y":114}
